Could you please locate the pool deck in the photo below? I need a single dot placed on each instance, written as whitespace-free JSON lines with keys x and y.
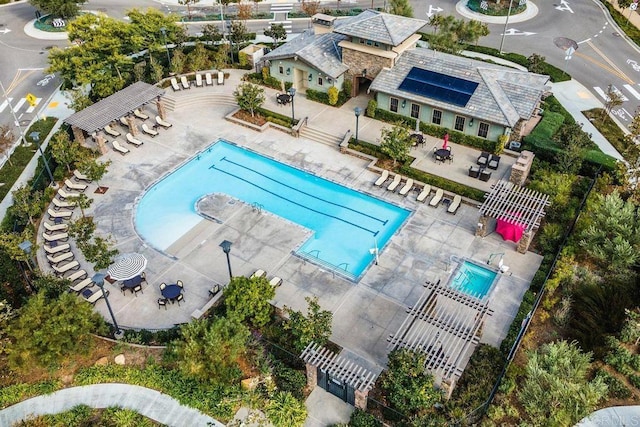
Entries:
{"x":364,"y":313}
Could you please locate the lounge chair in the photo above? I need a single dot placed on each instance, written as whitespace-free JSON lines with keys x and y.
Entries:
{"x":81,"y":285}
{"x":394,"y":184}
{"x":483,"y":159}
{"x":56,"y":249}
{"x":455,"y":204}
{"x":74,"y":186}
{"x":119,"y":148}
{"x":51,"y":228}
{"x":59,"y":204}
{"x":407,"y":187}
{"x":494,"y":161}
{"x":485,"y":175}
{"x":435,"y":201}
{"x":139,"y":114}
{"x":259,"y":273}
{"x":382,"y":179}
{"x":111,"y":131}
{"x":76,"y":275}
{"x":162,"y":123}
{"x":61,"y":269}
{"x":199,"y":80}
{"x":148,"y":131}
{"x":174,"y":84}
{"x":133,"y":141}
{"x":185,"y":82}
{"x":424,"y":193}
{"x":64,"y":195}
{"x":208,"y":80}
{"x":275,"y":281}
{"x":55,"y":237}
{"x":57,"y":259}
{"x":94,"y":297}
{"x":80,"y":176}
{"x":220,"y":78}
{"x":124,"y":122}
{"x":474,"y":172}
{"x":64,"y":214}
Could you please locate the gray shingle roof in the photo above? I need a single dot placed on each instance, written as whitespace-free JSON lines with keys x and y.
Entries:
{"x":320,"y":51}
{"x":103,"y":112}
{"x":380,"y":27}
{"x":503,"y":96}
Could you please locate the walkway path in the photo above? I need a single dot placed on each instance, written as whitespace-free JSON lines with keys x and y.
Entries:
{"x":150,"y":403}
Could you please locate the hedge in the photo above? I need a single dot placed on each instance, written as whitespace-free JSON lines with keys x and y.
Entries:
{"x":274,"y":117}
{"x":323,"y":97}
{"x":542,"y":134}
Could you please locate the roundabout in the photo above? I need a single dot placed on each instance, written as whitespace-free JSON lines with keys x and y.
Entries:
{"x":529,"y":13}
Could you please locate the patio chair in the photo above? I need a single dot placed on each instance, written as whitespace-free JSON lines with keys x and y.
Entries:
{"x":474,"y":172}
{"x":143,"y":277}
{"x":220,"y":78}
{"x":162,"y":123}
{"x":162,"y":286}
{"x":111,"y":131}
{"x":133,"y":141}
{"x":78,"y":287}
{"x":259,"y":273}
{"x":407,"y":187}
{"x":76,"y":275}
{"x":136,"y":290}
{"x":119,"y":148}
{"x":124,"y":122}
{"x":185,"y":82}
{"x":162,"y":302}
{"x":71,"y":265}
{"x":214,"y":291}
{"x":64,"y":195}
{"x":208,"y":80}
{"x":57,"y":259}
{"x":95,"y":296}
{"x":485,"y":175}
{"x":454,"y":205}
{"x":435,"y":201}
{"x":80,"y":176}
{"x":123,"y":289}
{"x":174,"y":84}
{"x":424,"y":193}
{"x":179,"y":298}
{"x":483,"y":159}
{"x":139,"y":114}
{"x":198,"y":80}
{"x":394,"y":184}
{"x":383,"y":177}
{"x":62,"y":215}
{"x":275,"y":281}
{"x":148,"y":131}
{"x":55,"y":237}
{"x":52,"y":228}
{"x":74,"y":186}
{"x":494,"y":161}
{"x":51,"y":250}
{"x":180,"y":284}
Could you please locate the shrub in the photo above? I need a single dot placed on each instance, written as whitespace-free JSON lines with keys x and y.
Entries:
{"x":372,"y":106}
{"x":290,"y":380}
{"x":359,"y":418}
{"x":617,"y":389}
{"x":346,"y":88}
{"x":332,"y":93}
{"x":542,"y":134}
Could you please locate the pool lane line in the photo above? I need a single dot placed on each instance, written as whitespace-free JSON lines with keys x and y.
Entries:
{"x":384,"y":222}
{"x":375,"y":233}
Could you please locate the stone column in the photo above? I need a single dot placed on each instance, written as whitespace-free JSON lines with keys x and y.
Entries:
{"x":482,"y":226}
{"x":161,"y":111}
{"x":525,"y":241}
{"x":361,"y":399}
{"x":312,"y":375}
{"x":131,"y":122}
{"x":101,"y":144}
{"x":78,"y":135}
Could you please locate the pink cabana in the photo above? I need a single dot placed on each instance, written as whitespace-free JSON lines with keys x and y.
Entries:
{"x":510,"y":229}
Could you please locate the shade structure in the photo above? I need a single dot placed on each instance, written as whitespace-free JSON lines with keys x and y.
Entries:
{"x":127,"y":266}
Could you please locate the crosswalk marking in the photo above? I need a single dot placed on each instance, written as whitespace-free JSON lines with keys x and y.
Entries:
{"x":632,"y":91}
{"x":32,"y":108}
{"x":19,"y":104}
{"x":601,"y":93}
{"x":623,"y":98}
{"x":5,"y":104}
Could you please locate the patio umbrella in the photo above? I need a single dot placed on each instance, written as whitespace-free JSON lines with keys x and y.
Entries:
{"x":417,"y":125}
{"x":127,"y":266}
{"x":446,"y":140}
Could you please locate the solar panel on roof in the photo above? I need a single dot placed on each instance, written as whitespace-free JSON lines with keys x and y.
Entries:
{"x":438,"y":86}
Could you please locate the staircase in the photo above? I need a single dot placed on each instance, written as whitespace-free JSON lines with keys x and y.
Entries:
{"x":196,"y":98}
{"x":320,"y":136}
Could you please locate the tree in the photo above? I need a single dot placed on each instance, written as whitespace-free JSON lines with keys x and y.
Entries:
{"x":94,"y":248}
{"x":248,"y":299}
{"x":249,"y":97}
{"x":556,"y":390}
{"x":536,"y":63}
{"x":396,"y":143}
{"x":64,"y":151}
{"x":574,"y":140}
{"x":245,"y":10}
{"x":237,"y":33}
{"x":27,"y":204}
{"x":209,"y":348}
{"x":188,"y":3}
{"x":211,"y":33}
{"x":614,"y":99}
{"x":93,"y":169}
{"x":61,"y":8}
{"x":82,"y":201}
{"x":51,"y":286}
{"x":436,"y":21}
{"x":315,"y":327}
{"x":452,"y":35}
{"x":198,"y":59}
{"x":310,"y":7}
{"x":407,"y":386}
{"x":64,"y":327}
{"x":6,"y":141}
{"x":284,"y":410}
{"x":276,"y":32}
{"x":400,"y":8}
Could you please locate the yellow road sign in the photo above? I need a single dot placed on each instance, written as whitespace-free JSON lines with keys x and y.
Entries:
{"x":31,"y":99}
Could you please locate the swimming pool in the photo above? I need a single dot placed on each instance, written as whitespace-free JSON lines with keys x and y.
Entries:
{"x":473,"y":279}
{"x":345,"y":223}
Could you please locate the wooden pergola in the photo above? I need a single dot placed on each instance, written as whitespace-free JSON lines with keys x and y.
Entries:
{"x":513,"y":204}
{"x":445,"y":325}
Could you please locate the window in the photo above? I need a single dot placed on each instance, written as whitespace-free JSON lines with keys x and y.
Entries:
{"x":361,"y":41}
{"x":369,"y":42}
{"x":281,"y":69}
{"x":376,"y":44}
{"x":319,"y":81}
{"x":394,"y":105}
{"x":483,"y":130}
{"x":459,"y":124}
{"x":415,"y":111}
{"x":436,"y":118}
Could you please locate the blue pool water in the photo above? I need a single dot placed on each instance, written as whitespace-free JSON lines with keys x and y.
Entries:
{"x":345,"y":223}
{"x":473,"y":279}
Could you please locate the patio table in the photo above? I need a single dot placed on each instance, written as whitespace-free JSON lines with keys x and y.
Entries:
{"x":171,"y":291}
{"x":132,"y":283}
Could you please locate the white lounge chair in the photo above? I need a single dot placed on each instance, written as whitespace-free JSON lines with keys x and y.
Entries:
{"x":199,"y":80}
{"x":50,"y":228}
{"x":55,"y":237}
{"x":174,"y":84}
{"x":435,"y":201}
{"x":80,"y":176}
{"x":455,"y":204}
{"x":151,"y":132}
{"x":81,"y":284}
{"x":208,"y":80}
{"x":394,"y":184}
{"x":64,"y":195}
{"x":162,"y":123}
{"x":95,"y":296}
{"x":73,"y":186}
{"x":132,"y":140}
{"x":111,"y":131}
{"x":383,"y":177}
{"x":275,"y":281}
{"x":424,"y":193}
{"x":124,"y":122}
{"x":259,"y":273}
{"x":119,"y":148}
{"x":139,"y":114}
{"x":185,"y":82}
{"x":56,"y":249}
{"x":220,"y":78}
{"x":407,"y":187}
{"x":64,"y":214}
{"x":57,"y":259}
{"x":61,"y":269}
{"x":59,"y":204}
{"x":76,"y":275}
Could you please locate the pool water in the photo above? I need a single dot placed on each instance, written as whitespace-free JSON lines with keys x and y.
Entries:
{"x":473,"y":279}
{"x":345,"y":223}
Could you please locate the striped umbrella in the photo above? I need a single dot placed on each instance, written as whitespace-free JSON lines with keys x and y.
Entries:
{"x":127,"y":266}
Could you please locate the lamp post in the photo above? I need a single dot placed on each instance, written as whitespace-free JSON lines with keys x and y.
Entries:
{"x":226,"y":247}
{"x":98,"y":279}
{"x":26,"y":248}
{"x":292,"y":94}
{"x":357,"y":112}
{"x":36,"y":137}
{"x":163,"y":30}
{"x":506,"y":22}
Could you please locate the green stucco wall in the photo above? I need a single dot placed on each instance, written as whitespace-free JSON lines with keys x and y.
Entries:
{"x":300,"y":72}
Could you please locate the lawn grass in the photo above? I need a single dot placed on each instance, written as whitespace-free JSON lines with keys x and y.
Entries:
{"x":608,"y":128}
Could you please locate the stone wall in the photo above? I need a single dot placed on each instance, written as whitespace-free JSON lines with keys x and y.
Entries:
{"x":359,"y":61}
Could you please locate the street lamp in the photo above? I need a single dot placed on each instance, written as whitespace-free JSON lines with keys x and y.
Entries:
{"x":226,"y":247}
{"x":506,"y":22}
{"x":36,"y":137}
{"x":98,"y":279}
{"x":357,"y":112}
{"x":163,"y":30}
{"x":26,"y":248}
{"x":292,"y":93}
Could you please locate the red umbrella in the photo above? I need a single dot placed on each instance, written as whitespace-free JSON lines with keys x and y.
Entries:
{"x":446,"y":140}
